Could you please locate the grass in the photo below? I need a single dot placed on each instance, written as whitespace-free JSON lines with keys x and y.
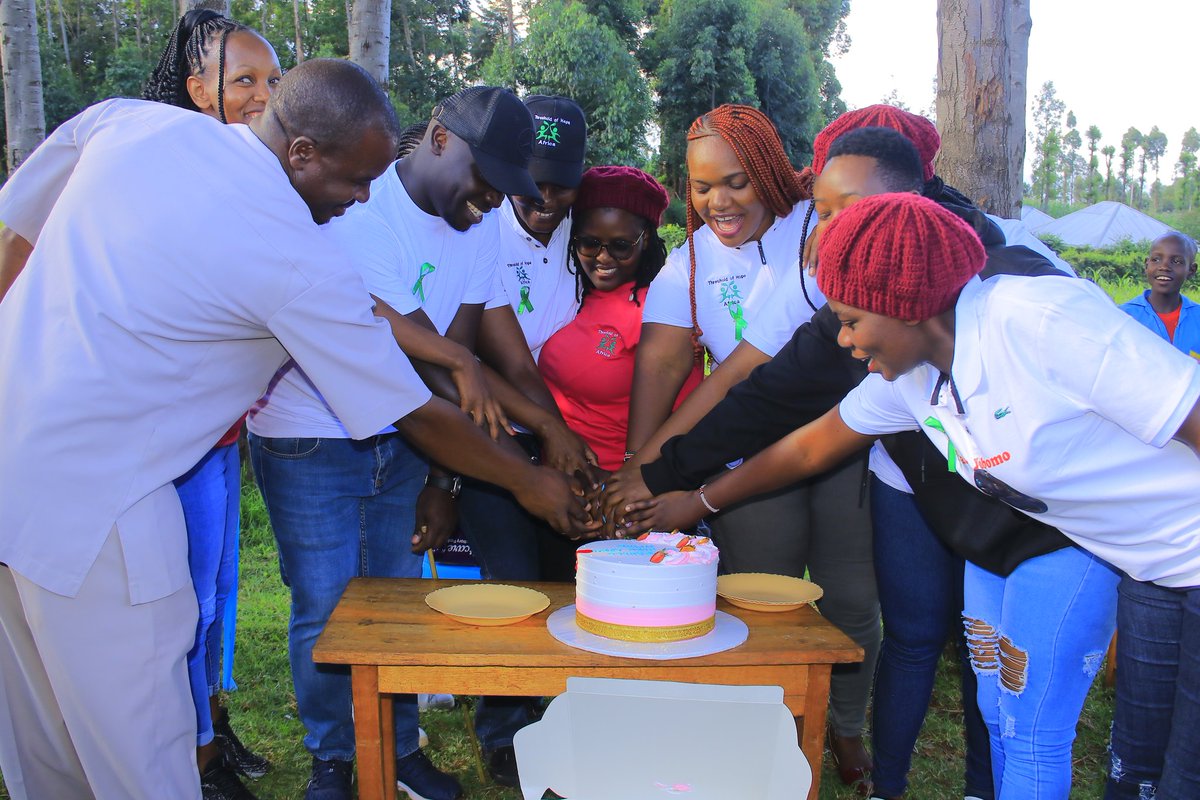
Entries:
{"x":263,"y":710}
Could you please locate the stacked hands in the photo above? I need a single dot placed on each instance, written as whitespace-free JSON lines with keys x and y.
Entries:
{"x":628,"y":508}
{"x":568,"y":490}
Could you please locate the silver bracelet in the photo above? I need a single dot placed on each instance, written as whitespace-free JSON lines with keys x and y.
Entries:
{"x":704,"y":500}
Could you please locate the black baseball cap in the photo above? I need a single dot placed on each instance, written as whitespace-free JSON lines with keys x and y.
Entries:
{"x":559,"y":140}
{"x":499,"y":130}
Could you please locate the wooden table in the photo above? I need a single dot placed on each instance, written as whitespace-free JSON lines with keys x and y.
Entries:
{"x":395,"y":644}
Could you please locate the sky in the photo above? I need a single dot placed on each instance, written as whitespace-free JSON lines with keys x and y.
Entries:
{"x":1115,"y":64}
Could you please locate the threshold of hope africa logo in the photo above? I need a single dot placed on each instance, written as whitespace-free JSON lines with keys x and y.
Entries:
{"x":547,"y":132}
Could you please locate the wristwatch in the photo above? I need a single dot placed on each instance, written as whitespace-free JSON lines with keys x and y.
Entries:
{"x":453,"y":485}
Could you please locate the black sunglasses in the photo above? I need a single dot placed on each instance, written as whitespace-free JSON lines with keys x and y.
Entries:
{"x":619,"y":249}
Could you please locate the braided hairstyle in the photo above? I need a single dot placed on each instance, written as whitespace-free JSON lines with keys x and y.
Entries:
{"x":190,"y":43}
{"x":756,"y":143}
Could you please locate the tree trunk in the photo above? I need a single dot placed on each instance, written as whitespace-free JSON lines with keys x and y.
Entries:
{"x":24,"y":114}
{"x":371,"y":37}
{"x":62,"y":26}
{"x":299,"y":31}
{"x":983,"y":55}
{"x":219,"y":6}
{"x":407,"y":29}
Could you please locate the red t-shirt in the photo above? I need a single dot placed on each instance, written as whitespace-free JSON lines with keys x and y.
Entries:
{"x":232,"y":434}
{"x":1171,"y":321}
{"x":588,"y":366}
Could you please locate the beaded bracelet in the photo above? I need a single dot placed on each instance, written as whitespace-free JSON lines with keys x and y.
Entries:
{"x":704,"y":500}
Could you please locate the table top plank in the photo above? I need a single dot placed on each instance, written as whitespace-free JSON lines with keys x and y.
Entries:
{"x":385,"y":622}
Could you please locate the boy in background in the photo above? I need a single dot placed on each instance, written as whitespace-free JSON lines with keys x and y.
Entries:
{"x":1162,"y":308}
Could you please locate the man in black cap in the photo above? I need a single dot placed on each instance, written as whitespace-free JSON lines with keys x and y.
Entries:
{"x":426,"y":245}
{"x":540,"y":288}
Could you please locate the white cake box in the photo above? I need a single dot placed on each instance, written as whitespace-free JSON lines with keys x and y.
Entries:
{"x":607,"y":739}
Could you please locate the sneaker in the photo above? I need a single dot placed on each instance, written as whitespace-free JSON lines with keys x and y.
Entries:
{"x":220,"y":782}
{"x":422,"y":738}
{"x":425,"y":701}
{"x":502,"y":766}
{"x":249,"y":764}
{"x":417,"y":776}
{"x":330,"y":780}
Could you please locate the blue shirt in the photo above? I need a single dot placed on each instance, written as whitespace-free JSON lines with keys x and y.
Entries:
{"x":1187,"y":332}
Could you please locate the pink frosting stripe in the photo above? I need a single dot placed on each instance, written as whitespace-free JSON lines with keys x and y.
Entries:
{"x":658,"y":617}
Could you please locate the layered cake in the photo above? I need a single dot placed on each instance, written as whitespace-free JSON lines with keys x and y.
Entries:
{"x":660,"y":587}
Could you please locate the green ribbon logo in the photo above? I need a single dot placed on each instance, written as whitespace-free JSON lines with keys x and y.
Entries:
{"x":525,"y":304}
{"x":739,"y":320}
{"x":951,"y":453}
{"x":419,"y":287}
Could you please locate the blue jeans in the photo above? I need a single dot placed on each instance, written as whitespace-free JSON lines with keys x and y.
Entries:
{"x":1037,"y":640}
{"x":1156,"y":724}
{"x":210,"y":494}
{"x":920,"y":596}
{"x":340,"y":509}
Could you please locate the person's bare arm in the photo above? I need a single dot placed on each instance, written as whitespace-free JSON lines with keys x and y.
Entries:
{"x":809,"y":451}
{"x":442,"y":432}
{"x":502,"y":346}
{"x":732,"y":371}
{"x":664,"y":359}
{"x":14,"y":252}
{"x":423,"y":345}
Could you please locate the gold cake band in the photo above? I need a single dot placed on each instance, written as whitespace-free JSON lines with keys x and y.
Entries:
{"x":639,"y":633}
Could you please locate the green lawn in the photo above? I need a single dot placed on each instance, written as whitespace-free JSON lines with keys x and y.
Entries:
{"x":264,"y":710}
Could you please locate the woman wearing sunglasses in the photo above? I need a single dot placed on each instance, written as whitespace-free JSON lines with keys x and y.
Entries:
{"x":1035,"y":392}
{"x":616,"y":252}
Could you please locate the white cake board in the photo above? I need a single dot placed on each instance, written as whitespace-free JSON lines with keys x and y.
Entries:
{"x":727,"y":633}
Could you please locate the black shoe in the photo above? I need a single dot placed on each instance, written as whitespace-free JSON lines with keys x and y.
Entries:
{"x":249,"y":764}
{"x":330,"y":780}
{"x":417,"y":775}
{"x":502,"y":766}
{"x":220,"y":782}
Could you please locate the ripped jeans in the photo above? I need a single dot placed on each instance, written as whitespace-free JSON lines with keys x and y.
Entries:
{"x":1156,"y":725}
{"x":1037,"y":639}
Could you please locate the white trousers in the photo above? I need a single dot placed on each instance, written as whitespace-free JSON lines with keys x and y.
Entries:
{"x":94,"y":694}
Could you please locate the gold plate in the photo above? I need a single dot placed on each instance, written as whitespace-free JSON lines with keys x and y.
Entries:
{"x":761,"y":591}
{"x":487,"y":603}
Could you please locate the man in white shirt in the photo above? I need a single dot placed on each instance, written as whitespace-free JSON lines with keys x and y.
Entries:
{"x":130,"y":344}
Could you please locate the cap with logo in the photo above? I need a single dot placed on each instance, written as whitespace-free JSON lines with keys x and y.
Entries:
{"x":559,"y":140}
{"x":499,"y":130}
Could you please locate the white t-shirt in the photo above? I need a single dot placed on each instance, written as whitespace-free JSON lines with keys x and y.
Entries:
{"x":535,"y":279}
{"x":1072,"y":404}
{"x":173,"y":265}
{"x":792,"y":304}
{"x":410,"y":260}
{"x":732,"y":283}
{"x":1015,"y":233}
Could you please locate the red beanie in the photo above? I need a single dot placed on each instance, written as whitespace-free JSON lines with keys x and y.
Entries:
{"x":900,"y":255}
{"x":918,"y":130}
{"x":626,"y":188}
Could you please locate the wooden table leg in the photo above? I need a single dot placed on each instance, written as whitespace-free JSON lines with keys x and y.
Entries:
{"x":370,"y":735}
{"x":812,"y":731}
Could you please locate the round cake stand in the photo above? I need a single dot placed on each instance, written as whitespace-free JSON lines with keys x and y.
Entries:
{"x":727,"y":633}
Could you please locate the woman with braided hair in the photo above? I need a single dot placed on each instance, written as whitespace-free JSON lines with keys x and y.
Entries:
{"x":748,"y":213}
{"x":224,"y":69}
{"x":216,"y":66}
